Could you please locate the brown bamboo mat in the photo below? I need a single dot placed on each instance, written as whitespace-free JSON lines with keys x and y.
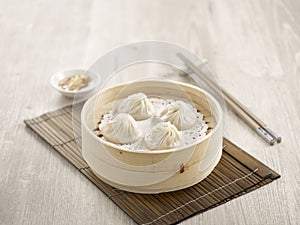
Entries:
{"x":236,"y":174}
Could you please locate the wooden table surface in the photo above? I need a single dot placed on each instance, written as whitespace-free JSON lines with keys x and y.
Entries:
{"x":254,"y":47}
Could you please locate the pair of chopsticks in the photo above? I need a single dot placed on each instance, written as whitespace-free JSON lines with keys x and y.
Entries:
{"x":244,"y":113}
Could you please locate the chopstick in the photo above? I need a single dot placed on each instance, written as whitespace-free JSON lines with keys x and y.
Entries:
{"x":244,"y":113}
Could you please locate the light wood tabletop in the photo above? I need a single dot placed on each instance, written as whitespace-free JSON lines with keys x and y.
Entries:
{"x":253,"y":46}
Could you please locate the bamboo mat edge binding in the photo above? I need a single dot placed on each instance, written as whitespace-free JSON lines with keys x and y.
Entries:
{"x":237,"y":173}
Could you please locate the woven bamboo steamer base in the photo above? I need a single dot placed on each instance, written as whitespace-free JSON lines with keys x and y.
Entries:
{"x":168,"y":185}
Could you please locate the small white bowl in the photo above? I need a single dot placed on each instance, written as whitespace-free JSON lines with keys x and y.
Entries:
{"x":57,"y":77}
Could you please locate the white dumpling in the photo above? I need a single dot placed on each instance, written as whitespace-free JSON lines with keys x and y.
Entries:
{"x":137,"y":105}
{"x":180,"y":114}
{"x":123,"y":129}
{"x":162,"y":136}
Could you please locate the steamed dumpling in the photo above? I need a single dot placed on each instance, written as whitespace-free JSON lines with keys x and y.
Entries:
{"x":162,"y":136}
{"x":180,"y":114}
{"x":137,"y":105}
{"x":122,"y":129}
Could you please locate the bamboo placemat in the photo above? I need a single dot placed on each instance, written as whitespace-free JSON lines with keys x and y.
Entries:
{"x":236,"y":174}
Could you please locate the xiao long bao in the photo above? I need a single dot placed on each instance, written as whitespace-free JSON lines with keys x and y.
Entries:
{"x":180,"y":114}
{"x":141,"y":123}
{"x":122,"y":129}
{"x":137,"y":105}
{"x":162,"y":136}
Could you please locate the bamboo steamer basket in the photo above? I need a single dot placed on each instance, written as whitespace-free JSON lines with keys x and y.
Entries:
{"x":152,"y":171}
